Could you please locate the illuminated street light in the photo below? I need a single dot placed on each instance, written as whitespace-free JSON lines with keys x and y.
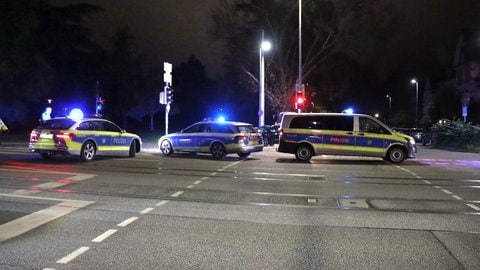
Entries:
{"x":264,"y":46}
{"x":416,"y":101}
{"x":389,"y":107}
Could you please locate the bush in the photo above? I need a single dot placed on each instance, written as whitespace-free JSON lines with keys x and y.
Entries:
{"x":457,"y":135}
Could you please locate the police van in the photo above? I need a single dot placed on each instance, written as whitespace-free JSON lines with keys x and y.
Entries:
{"x":310,"y":134}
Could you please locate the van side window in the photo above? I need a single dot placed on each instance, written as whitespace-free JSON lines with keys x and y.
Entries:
{"x":370,"y":126}
{"x":343,"y":123}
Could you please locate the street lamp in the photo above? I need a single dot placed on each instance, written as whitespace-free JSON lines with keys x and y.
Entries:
{"x":416,"y":101}
{"x":264,"y":46}
{"x":389,"y":107}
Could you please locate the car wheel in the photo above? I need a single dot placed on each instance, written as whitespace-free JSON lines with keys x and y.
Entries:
{"x":133,"y":149}
{"x":87,"y":153}
{"x":243,"y":155}
{"x":166,"y":147}
{"x":304,"y":153}
{"x":218,"y":150}
{"x":396,"y":155}
{"x":46,"y":155}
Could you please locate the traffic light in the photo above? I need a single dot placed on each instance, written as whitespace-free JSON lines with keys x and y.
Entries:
{"x":169,"y":91}
{"x":100,"y":103}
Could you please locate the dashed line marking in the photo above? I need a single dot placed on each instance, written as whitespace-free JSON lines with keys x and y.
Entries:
{"x":427,"y":182}
{"x":127,"y":222}
{"x":473,"y":206}
{"x":73,"y":255}
{"x":190,"y":186}
{"x":176,"y":194}
{"x":457,"y":197}
{"x":104,"y":236}
{"x":146,"y":210}
{"x":197,"y":182}
{"x":160,"y":203}
{"x":446,"y":191}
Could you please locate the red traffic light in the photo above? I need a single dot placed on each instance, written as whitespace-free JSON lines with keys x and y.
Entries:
{"x":300,"y":100}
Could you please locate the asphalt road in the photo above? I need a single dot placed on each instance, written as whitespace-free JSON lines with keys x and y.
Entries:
{"x":264,"y":212}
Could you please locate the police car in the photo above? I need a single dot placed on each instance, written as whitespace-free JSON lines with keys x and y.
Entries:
{"x":215,"y":137}
{"x":309,"y":134}
{"x":85,"y":138}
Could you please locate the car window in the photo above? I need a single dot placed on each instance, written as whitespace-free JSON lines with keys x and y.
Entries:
{"x":193,"y":128}
{"x":85,"y":126}
{"x":370,"y":126}
{"x":221,"y":128}
{"x":343,"y":123}
{"x":57,"y":124}
{"x":108,"y":126}
{"x":245,"y":129}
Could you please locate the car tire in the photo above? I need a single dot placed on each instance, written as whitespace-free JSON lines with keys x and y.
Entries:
{"x":304,"y":153}
{"x":46,"y":155}
{"x":243,"y":155}
{"x":166,"y":148}
{"x":87,"y":153}
{"x":396,"y":154}
{"x":133,"y":149}
{"x":218,"y":151}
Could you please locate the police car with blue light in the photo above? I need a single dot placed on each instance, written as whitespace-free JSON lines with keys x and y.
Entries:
{"x":84,"y":137}
{"x":217,"y":138}
{"x":310,"y":134}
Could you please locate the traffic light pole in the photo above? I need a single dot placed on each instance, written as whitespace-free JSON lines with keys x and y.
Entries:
{"x":167,"y":108}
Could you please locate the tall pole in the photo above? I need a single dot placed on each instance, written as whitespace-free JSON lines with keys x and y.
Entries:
{"x":261,"y":84}
{"x":299,"y":80}
{"x":416,"y":101}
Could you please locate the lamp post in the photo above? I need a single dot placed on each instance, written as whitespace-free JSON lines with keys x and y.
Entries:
{"x":389,"y":107}
{"x":416,"y":101}
{"x":264,"y":46}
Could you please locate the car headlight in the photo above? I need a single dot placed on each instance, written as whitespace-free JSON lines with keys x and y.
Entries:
{"x":411,"y":141}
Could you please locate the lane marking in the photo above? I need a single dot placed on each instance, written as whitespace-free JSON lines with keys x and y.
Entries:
{"x":146,"y":210}
{"x":26,"y":223}
{"x":190,"y":186}
{"x":104,"y":236}
{"x":197,"y":182}
{"x":446,"y":191}
{"x":176,"y":194}
{"x":161,"y":203}
{"x":473,"y":206}
{"x":73,"y":255}
{"x":127,"y":222}
{"x":457,"y":197}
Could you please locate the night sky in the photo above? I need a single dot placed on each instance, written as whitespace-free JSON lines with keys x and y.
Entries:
{"x":165,"y":30}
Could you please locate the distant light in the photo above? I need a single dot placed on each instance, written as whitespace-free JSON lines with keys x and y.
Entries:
{"x":348,"y":111}
{"x":413,"y":81}
{"x":266,"y":46}
{"x":221,"y":118}
{"x":377,"y":115}
{"x":75,"y":114}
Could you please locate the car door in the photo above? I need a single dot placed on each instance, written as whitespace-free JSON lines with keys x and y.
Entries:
{"x":338,"y":135}
{"x":187,"y":139}
{"x":370,"y":137}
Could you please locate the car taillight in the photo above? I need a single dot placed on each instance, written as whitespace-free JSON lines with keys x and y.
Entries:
{"x":34,"y":136}
{"x":242,"y":139}
{"x":63,"y":135}
{"x":280,"y":134}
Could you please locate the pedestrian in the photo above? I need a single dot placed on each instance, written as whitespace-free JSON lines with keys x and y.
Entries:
{"x":3,"y":128}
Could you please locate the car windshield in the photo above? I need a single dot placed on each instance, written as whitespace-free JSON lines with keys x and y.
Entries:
{"x":64,"y":123}
{"x":245,"y":129}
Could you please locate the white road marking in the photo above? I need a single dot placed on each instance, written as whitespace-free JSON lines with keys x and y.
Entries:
{"x":457,"y":197}
{"x":33,"y":220}
{"x":104,"y":236}
{"x":161,"y":203}
{"x":446,"y":191}
{"x":473,"y":206}
{"x":146,"y":210}
{"x":126,"y":222}
{"x":176,"y":194}
{"x":73,"y":255}
{"x":197,"y":182}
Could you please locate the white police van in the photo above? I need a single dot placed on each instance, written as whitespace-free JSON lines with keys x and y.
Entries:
{"x":309,"y":134}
